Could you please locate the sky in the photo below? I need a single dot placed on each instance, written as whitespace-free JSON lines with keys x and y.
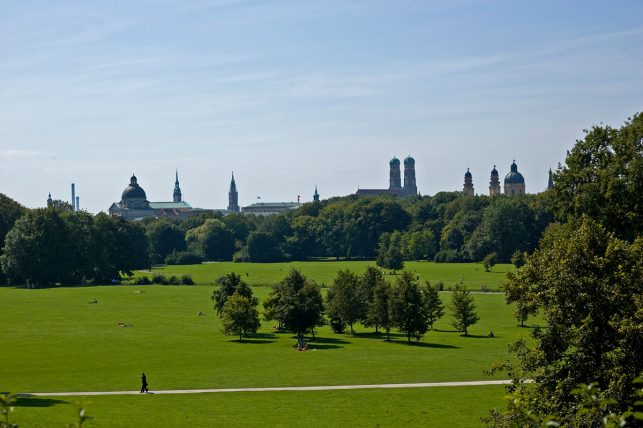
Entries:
{"x":293,"y":94}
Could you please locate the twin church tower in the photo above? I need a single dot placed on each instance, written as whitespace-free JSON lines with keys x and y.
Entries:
{"x":395,"y":180}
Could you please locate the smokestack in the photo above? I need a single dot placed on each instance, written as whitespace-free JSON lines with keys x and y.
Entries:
{"x":77,"y":203}
{"x":73,"y":197}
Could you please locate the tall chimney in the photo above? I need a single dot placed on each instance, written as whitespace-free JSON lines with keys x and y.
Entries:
{"x":77,"y":203}
{"x":73,"y":197}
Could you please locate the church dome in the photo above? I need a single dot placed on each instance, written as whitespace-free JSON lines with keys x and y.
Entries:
{"x":394,"y":161}
{"x":133,"y":191}
{"x":514,"y":177}
{"x":409,"y":161}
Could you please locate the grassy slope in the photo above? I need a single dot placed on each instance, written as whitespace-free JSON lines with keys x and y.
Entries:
{"x":323,"y":272}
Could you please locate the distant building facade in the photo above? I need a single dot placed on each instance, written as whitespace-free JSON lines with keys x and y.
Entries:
{"x":395,"y":180}
{"x":134,"y":204}
{"x":270,"y":208}
{"x":514,"y":182}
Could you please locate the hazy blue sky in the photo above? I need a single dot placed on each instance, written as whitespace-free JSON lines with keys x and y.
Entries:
{"x":289,"y":94}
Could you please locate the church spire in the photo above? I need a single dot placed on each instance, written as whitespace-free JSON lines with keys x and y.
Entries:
{"x":233,"y":196}
{"x":550,"y":182}
{"x":177,"y":197}
{"x":316,"y":195}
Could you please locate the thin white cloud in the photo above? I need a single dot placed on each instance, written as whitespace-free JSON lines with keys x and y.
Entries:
{"x":10,"y":154}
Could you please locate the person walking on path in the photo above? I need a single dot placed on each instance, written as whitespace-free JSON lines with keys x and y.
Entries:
{"x":144,"y":384}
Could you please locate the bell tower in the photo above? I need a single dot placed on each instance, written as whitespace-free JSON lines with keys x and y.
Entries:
{"x":468,"y":183}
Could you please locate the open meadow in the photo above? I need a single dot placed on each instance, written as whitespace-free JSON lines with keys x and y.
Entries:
{"x":472,"y":275}
{"x":55,"y":340}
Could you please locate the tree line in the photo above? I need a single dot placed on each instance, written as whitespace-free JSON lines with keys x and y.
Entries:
{"x":296,"y":304}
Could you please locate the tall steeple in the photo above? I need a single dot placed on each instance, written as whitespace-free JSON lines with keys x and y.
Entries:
{"x":233,"y":196}
{"x":550,"y":182}
{"x":468,"y":183}
{"x":49,"y":200}
{"x":315,"y":195}
{"x":177,"y":190}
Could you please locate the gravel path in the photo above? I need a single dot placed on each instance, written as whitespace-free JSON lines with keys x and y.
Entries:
{"x":282,"y":388}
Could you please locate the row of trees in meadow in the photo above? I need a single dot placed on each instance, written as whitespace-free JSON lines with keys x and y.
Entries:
{"x":447,"y":227}
{"x":296,"y":305}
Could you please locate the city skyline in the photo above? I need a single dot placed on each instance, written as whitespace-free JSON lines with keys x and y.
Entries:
{"x":290,"y":95}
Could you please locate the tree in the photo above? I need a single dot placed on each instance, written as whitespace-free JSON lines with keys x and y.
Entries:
{"x":345,"y":300}
{"x":603,"y":179}
{"x":489,"y":261}
{"x":228,"y":285}
{"x":296,"y":302}
{"x":263,"y":247}
{"x":369,"y":280}
{"x":586,"y":284}
{"x":37,"y":250}
{"x":164,"y":238}
{"x":389,"y":254}
{"x":518,"y":259}
{"x":434,"y":306}
{"x":240,"y":316}
{"x":379,"y":311}
{"x":213,"y":240}
{"x":463,"y":309}
{"x":408,"y":307}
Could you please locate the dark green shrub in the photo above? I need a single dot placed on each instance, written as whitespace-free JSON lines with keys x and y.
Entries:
{"x":187,"y":279}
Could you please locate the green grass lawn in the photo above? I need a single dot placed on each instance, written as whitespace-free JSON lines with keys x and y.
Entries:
{"x":54,"y":340}
{"x":472,"y":274}
{"x":448,"y":406}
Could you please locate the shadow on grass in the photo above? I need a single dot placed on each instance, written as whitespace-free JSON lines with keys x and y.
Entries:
{"x":378,"y":335}
{"x":31,"y":401}
{"x":424,"y":344}
{"x":322,"y":347}
{"x":480,"y":336}
{"x":251,"y":341}
{"x":329,"y":340}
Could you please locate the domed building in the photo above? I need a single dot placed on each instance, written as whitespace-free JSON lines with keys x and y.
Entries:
{"x":135,"y":206}
{"x":514,"y":182}
{"x":134,"y":197}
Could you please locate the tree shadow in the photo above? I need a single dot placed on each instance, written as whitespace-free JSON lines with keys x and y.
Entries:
{"x":480,"y":336}
{"x":424,"y":344}
{"x":252,"y":341}
{"x":329,"y":340}
{"x":322,"y":347}
{"x":27,"y":400}
{"x":379,"y":335}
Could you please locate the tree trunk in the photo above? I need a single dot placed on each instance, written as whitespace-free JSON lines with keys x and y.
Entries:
{"x":388,"y":334}
{"x":240,"y":336}
{"x":376,"y":329}
{"x":408,"y":337}
{"x":351,"y":325}
{"x":312,"y":330}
